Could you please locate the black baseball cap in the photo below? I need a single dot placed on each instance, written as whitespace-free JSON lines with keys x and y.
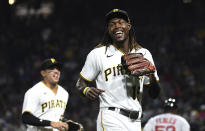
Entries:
{"x":50,"y":63}
{"x":117,"y":13}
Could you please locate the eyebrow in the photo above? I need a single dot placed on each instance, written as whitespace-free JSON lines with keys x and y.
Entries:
{"x":49,"y":71}
{"x":119,"y":20}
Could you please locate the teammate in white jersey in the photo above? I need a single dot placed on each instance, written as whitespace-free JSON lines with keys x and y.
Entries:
{"x":44,"y":104}
{"x":168,"y":121}
{"x":120,"y":109}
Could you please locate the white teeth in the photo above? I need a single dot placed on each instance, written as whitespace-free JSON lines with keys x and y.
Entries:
{"x":118,"y":32}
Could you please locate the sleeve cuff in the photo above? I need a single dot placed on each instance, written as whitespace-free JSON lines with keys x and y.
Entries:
{"x":85,"y":78}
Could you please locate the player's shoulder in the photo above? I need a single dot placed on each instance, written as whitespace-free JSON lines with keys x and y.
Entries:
{"x":182,"y":120}
{"x":99,"y":47}
{"x":98,"y":50}
{"x":63,"y":90}
{"x":180,"y":117}
{"x":157,"y":116}
{"x":35,"y":88}
{"x":152,"y":119}
{"x":141,"y":50}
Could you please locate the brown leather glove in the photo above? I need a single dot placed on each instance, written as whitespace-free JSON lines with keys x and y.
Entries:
{"x":136,"y":64}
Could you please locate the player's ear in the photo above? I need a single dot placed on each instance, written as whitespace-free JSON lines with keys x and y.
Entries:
{"x":43,"y":73}
{"x":129,"y":26}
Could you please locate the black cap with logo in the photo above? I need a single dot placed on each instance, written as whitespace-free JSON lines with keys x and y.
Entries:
{"x":50,"y":63}
{"x":117,"y":13}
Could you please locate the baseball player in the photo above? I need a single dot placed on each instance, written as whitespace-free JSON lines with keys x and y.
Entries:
{"x":168,"y":121}
{"x":44,"y":104}
{"x":120,"y":109}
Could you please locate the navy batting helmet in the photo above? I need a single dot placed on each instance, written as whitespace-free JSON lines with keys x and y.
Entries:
{"x":170,"y":103}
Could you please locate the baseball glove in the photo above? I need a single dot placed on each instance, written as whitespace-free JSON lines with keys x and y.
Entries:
{"x":136,"y":64}
{"x":74,"y":126}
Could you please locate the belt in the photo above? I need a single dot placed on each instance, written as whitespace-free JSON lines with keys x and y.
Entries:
{"x":130,"y":114}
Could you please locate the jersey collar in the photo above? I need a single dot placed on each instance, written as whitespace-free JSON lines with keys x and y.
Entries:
{"x":50,"y":88}
{"x":112,"y":49}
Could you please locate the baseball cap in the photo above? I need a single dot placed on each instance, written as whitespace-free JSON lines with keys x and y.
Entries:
{"x":49,"y":63}
{"x":117,"y":13}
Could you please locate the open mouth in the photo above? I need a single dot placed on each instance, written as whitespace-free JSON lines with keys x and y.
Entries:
{"x":118,"y":34}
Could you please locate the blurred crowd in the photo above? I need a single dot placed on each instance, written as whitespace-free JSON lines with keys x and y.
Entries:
{"x":177,"y":49}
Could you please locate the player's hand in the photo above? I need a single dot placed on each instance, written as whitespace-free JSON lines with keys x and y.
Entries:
{"x":61,"y":126}
{"x":93,"y":93}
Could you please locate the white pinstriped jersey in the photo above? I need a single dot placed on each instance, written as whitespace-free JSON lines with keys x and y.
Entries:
{"x":167,"y":122}
{"x":105,"y":67}
{"x":43,"y":103}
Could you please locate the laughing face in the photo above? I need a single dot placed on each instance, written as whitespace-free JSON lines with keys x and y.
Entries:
{"x":51,"y":75}
{"x":118,"y":29}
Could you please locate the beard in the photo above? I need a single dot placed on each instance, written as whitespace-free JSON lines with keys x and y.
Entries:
{"x":120,"y":41}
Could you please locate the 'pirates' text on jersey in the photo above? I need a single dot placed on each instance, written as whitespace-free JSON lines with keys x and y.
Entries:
{"x":104,"y":66}
{"x":43,"y":103}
